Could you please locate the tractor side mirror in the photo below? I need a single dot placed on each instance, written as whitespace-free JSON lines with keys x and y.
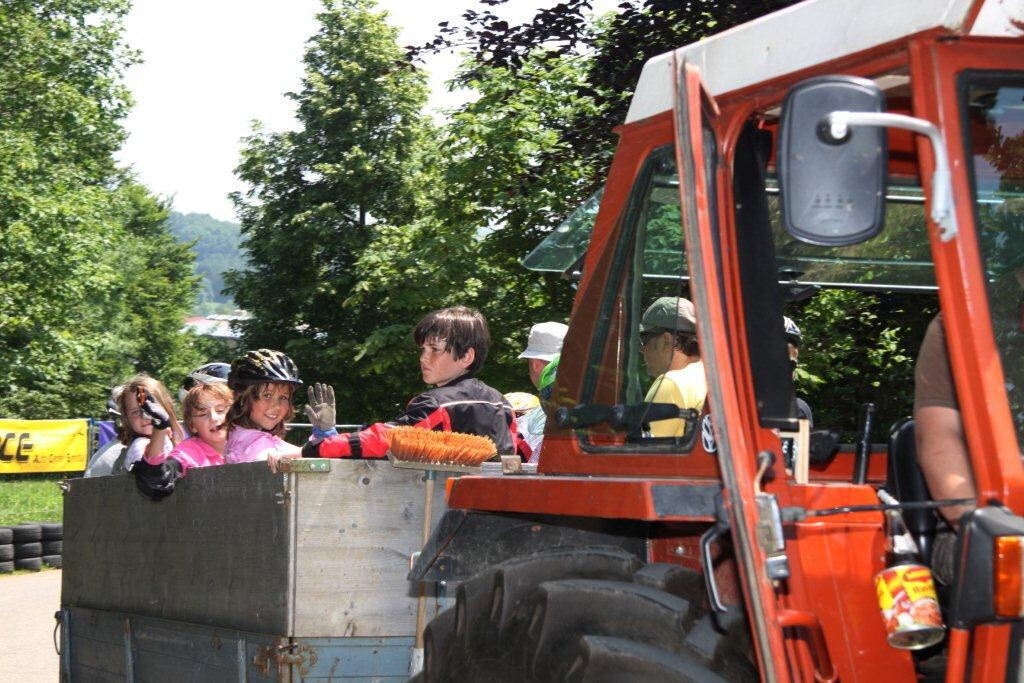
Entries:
{"x":832,"y":188}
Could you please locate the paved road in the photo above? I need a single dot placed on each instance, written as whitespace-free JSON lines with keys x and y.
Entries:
{"x":27,"y":604}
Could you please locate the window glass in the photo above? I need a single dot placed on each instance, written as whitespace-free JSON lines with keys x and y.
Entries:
{"x":563,"y":249}
{"x":898,"y":257}
{"x":657,"y":357}
{"x":994,"y":106}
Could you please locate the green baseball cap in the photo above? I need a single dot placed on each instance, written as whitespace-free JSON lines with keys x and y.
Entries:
{"x":670,"y":313}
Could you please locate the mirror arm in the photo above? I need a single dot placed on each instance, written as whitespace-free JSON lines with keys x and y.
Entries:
{"x":943,"y":214}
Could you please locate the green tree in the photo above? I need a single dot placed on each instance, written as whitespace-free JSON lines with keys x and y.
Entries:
{"x":860,"y":348}
{"x":491,"y":206}
{"x":318,"y":195}
{"x":91,"y":288}
{"x":216,"y":247}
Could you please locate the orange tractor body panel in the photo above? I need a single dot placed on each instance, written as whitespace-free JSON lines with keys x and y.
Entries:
{"x":824,"y":622}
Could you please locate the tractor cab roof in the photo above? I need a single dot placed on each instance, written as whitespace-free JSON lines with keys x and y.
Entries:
{"x":748,"y":58}
{"x":811,"y":33}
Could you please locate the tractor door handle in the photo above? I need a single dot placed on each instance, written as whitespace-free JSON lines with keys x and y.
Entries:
{"x":710,"y":536}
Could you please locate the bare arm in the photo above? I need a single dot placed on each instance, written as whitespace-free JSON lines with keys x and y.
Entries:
{"x":155,"y":448}
{"x":942,"y":454}
{"x":285,"y":450}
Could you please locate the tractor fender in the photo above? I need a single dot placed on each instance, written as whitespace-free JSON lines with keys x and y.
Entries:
{"x":465,"y":542}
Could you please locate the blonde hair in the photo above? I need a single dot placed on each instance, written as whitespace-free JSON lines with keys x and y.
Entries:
{"x":238,"y":416}
{"x":191,"y":405}
{"x":159,"y":392}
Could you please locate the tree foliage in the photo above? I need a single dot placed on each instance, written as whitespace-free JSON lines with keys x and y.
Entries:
{"x":860,"y":348}
{"x":489,"y":208}
{"x":92,"y":287}
{"x":532,"y":144}
{"x":319,"y":195}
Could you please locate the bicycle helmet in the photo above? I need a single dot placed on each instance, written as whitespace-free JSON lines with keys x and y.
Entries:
{"x":263,"y":365}
{"x":522,"y":402}
{"x":547,"y":375}
{"x":210,"y":373}
{"x":112,"y":408}
{"x":793,"y":335}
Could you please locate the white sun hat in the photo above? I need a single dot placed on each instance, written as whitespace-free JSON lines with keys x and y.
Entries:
{"x":545,"y":341}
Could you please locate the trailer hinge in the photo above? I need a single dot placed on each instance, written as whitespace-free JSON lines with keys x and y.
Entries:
{"x":304,"y":465}
{"x":302,"y":656}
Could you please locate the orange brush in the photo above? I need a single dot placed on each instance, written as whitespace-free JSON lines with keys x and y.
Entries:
{"x":439,"y":449}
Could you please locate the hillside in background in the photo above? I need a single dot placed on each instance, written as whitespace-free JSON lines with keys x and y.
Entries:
{"x":216,"y":249}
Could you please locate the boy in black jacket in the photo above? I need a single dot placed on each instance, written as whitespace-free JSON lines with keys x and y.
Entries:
{"x":453,"y":344}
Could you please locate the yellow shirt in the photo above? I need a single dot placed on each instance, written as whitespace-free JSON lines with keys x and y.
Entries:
{"x":687,"y":388}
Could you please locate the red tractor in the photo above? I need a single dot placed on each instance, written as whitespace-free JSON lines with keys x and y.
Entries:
{"x":755,"y":167}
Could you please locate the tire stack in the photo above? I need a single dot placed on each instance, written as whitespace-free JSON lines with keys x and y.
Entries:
{"x":30,"y":545}
{"x":6,"y":550}
{"x":53,"y":543}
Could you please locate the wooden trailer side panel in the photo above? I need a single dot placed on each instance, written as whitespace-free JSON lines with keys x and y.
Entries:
{"x":216,"y":552}
{"x":118,"y":647}
{"x":356,"y":529}
{"x":321,"y":554}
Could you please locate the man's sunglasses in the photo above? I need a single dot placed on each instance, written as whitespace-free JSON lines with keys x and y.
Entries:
{"x":646,"y":337}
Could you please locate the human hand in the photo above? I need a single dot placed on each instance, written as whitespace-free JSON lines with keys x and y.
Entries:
{"x":156,"y":481}
{"x":321,"y":410}
{"x":149,"y":407}
{"x":274,"y":458}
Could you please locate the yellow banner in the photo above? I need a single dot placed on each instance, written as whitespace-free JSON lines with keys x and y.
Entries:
{"x":43,"y":446}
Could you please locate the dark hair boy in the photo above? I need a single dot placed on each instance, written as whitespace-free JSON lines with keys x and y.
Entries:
{"x":453,"y":345}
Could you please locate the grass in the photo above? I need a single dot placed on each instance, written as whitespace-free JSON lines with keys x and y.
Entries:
{"x":30,"y":498}
{"x":19,"y":572}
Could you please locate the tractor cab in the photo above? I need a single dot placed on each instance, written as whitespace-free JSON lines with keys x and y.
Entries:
{"x":868,"y":156}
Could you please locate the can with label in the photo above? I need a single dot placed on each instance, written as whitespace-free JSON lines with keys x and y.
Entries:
{"x":910,"y":609}
{"x":906,"y":592}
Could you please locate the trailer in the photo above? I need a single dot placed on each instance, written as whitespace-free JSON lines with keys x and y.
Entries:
{"x":245,"y":575}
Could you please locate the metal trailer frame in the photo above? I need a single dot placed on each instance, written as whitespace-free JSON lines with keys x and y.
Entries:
{"x":244,"y":575}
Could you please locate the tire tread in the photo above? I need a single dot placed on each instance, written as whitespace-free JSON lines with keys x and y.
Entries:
{"x":27,"y":533}
{"x":562,"y":614}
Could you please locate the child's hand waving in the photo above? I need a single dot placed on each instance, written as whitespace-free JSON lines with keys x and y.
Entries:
{"x":321,"y":410}
{"x":155,"y":411}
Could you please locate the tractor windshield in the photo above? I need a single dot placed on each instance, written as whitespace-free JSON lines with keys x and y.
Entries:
{"x":993,"y":107}
{"x":898,"y":259}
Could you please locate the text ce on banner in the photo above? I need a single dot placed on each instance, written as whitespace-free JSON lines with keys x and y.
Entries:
{"x":28,"y":446}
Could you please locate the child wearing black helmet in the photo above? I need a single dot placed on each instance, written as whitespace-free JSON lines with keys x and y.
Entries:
{"x":208,"y":373}
{"x":793,"y":341}
{"x":264,"y":382}
{"x":453,"y":344}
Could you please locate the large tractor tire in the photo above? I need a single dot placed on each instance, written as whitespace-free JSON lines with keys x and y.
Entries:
{"x":590,"y":614}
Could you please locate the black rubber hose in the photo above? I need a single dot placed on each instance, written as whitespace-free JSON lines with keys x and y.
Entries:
{"x":860,"y":462}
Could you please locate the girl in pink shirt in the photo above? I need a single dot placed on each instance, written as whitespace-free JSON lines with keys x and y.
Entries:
{"x":206,"y":409}
{"x":264,"y":382}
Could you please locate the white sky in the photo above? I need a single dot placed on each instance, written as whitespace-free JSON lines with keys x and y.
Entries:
{"x":212,"y":66}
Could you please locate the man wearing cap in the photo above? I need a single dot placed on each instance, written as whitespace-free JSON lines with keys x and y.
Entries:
{"x":542,"y":353}
{"x":668,"y":343}
{"x":794,"y":338}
